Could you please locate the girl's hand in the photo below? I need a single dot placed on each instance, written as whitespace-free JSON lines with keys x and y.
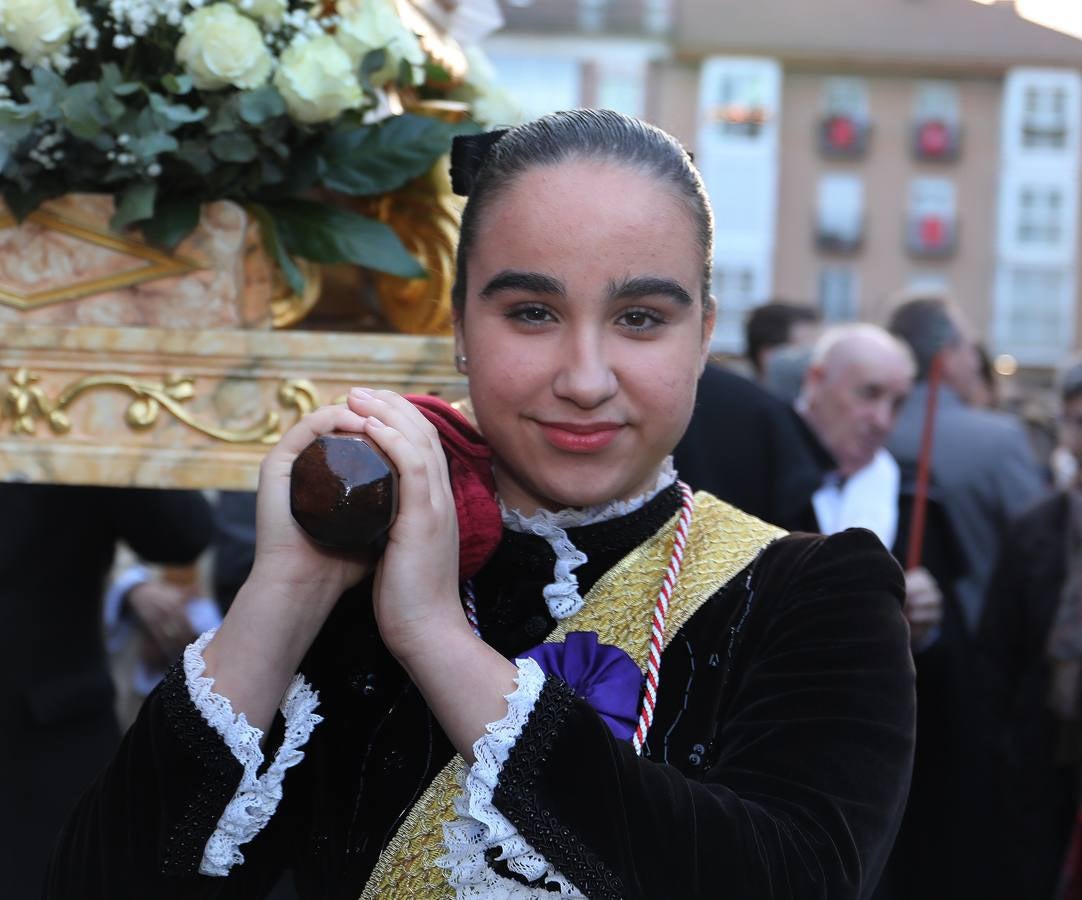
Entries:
{"x":284,"y":554}
{"x":416,"y":586}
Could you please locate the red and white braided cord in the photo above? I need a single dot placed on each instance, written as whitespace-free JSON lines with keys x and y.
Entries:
{"x":661,"y":612}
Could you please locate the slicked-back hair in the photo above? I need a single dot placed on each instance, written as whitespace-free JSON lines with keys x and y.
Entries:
{"x":927,"y":325}
{"x":586,"y":134}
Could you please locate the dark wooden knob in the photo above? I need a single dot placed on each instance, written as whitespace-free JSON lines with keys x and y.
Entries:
{"x":344,"y":492}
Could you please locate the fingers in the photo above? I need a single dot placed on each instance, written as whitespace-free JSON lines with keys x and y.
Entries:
{"x":397,"y":413}
{"x":323,"y":421}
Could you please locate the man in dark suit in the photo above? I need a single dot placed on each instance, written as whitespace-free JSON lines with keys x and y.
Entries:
{"x":748,"y":448}
{"x":982,"y":464}
{"x":58,"y":727}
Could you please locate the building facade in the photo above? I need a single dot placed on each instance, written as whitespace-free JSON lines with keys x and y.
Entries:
{"x":874,"y":148}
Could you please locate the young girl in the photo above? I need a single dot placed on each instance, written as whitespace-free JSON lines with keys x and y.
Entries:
{"x":639,"y":693}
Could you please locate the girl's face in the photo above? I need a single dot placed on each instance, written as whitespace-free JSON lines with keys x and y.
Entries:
{"x":583,"y":332}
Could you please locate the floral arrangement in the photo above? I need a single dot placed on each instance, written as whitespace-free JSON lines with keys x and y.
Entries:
{"x":271,"y":103}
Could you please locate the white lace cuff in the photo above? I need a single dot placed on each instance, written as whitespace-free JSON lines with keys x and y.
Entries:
{"x":480,"y":826}
{"x":257,"y":796}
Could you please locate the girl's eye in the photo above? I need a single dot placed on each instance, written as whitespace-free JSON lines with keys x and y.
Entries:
{"x":640,"y":319}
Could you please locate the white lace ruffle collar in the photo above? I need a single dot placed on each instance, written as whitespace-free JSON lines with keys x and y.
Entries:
{"x":562,"y":595}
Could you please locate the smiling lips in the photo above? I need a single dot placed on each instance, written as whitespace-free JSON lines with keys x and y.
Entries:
{"x":580,"y":438}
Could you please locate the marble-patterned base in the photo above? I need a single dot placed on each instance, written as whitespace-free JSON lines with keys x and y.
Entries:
{"x":157,"y":407}
{"x":63,"y":266}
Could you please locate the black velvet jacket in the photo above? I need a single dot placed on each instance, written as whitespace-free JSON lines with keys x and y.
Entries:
{"x":777,"y":765}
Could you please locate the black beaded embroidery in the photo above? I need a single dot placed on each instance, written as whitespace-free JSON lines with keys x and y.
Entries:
{"x":220,"y":775}
{"x":516,"y":796}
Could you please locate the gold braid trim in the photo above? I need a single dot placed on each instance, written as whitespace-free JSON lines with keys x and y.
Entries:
{"x":619,"y":608}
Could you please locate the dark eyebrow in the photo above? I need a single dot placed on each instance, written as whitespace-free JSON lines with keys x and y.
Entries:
{"x":531,"y":282}
{"x":649,"y":286}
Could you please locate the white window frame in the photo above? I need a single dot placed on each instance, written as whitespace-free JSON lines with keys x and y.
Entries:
{"x":840,"y":206}
{"x":936,"y":101}
{"x":846,"y":97}
{"x":1010,"y":334}
{"x":539,"y":91}
{"x":1021,"y":86}
{"x":851,"y":302}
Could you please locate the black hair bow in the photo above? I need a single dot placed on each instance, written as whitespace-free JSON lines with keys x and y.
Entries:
{"x":468,"y":155}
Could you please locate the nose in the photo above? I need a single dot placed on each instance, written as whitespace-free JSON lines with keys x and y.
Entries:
{"x":883,"y":416}
{"x":585,"y":375}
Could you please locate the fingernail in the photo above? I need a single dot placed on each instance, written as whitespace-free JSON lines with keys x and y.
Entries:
{"x":374,"y":422}
{"x":359,"y":393}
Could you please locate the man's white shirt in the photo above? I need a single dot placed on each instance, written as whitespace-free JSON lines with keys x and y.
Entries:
{"x":866,"y":499}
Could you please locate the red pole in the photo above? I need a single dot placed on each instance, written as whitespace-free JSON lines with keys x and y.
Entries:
{"x":924,"y":468}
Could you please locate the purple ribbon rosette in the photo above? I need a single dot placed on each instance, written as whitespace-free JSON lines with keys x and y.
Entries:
{"x":602,"y":675}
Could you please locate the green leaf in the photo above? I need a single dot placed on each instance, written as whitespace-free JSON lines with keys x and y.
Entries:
{"x":196,"y":155}
{"x":147,"y":147}
{"x":233,"y":146}
{"x":136,"y":204}
{"x":223,"y":118}
{"x":46,"y":91}
{"x":82,"y":113}
{"x":177,"y":84}
{"x":381,"y":158}
{"x":330,"y":234}
{"x":373,"y":61}
{"x":255,"y":107}
{"x":175,"y":217}
{"x":273,"y":244}
{"x":176,"y":113}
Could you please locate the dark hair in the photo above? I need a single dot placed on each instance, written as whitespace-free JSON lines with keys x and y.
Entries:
{"x":927,"y":326}
{"x":591,"y":134}
{"x":1070,"y":381}
{"x":771,"y":325}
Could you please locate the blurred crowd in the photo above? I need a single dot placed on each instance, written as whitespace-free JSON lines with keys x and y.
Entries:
{"x":897,"y":428}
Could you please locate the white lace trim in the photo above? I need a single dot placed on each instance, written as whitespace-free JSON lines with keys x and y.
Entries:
{"x":479,"y":826}
{"x":562,"y":595}
{"x":257,"y":796}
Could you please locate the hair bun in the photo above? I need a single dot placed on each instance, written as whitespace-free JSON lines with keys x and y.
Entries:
{"x":468,"y":155}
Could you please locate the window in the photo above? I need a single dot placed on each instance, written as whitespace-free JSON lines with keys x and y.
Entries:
{"x":540,"y":84}
{"x":742,"y":108}
{"x":936,"y":131}
{"x":838,"y":294}
{"x":843,"y":129}
{"x":1041,"y":115}
{"x":934,"y":283}
{"x":621,"y":87}
{"x":1034,"y":317}
{"x":845,"y":97}
{"x":1044,"y":117}
{"x":931,"y":229}
{"x":840,"y":226}
{"x":736,"y":290}
{"x":1040,"y":215}
{"x":657,"y":16}
{"x":592,"y":14}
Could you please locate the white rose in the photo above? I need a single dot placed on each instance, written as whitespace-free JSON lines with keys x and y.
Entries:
{"x":317,"y":80}
{"x":38,"y":28}
{"x":270,"y":11}
{"x":375,"y":25}
{"x":221,"y":47}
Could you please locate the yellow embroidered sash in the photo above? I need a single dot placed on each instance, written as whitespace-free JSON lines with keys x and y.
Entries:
{"x":619,"y":609}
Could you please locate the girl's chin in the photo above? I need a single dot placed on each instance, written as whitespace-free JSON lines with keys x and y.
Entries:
{"x":567,"y":489}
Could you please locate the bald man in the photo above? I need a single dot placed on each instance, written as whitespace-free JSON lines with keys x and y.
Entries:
{"x":853,"y":390}
{"x":857,"y":380}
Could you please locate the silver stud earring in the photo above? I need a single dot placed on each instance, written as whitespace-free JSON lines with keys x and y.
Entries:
{"x":460,"y":361}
